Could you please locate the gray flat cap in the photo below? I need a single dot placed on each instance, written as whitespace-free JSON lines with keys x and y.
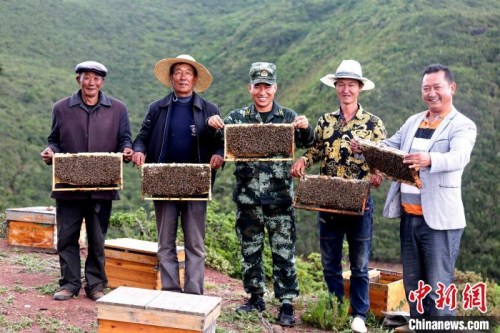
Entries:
{"x":91,"y":66}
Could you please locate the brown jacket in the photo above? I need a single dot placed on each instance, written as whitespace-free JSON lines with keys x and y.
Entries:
{"x":77,"y":128}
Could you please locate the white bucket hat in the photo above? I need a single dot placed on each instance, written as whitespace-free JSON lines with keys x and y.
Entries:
{"x":162,"y":71}
{"x":348,"y":69}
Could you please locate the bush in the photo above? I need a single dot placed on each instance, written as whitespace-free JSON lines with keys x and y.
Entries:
{"x":326,"y":312}
{"x":138,"y":225}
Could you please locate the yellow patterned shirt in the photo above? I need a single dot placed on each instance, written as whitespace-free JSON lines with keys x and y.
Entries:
{"x":332,"y":143}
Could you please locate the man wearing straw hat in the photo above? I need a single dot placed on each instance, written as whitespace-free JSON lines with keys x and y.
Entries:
{"x":332,"y":150}
{"x":263,"y":197}
{"x":174,"y":131}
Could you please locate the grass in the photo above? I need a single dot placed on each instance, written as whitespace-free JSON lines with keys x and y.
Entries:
{"x":52,"y":325}
{"x":8,"y":327}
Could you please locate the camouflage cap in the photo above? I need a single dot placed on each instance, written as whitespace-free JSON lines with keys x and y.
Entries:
{"x":262,"y":72}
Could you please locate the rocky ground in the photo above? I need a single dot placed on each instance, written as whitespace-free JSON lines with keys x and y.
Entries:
{"x":28,"y":279}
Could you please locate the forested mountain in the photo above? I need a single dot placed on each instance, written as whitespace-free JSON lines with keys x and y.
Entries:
{"x":42,"y":40}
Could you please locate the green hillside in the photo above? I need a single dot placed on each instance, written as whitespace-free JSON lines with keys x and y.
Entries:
{"x":41,"y":41}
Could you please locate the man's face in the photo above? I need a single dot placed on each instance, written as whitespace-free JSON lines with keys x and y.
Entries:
{"x":183,"y":79}
{"x":90,"y":84}
{"x":263,"y":95}
{"x":437,"y":93}
{"x":348,"y":90}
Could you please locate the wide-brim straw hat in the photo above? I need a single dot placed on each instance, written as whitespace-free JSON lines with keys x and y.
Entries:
{"x":348,"y":69}
{"x":162,"y":71}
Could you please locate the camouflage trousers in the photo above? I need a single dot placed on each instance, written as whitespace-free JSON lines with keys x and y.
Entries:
{"x":251,"y":223}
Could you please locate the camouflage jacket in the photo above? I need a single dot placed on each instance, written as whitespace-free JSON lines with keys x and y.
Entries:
{"x":332,"y":143}
{"x":266,"y":182}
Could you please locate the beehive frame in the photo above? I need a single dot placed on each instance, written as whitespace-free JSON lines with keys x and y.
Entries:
{"x":255,"y":146}
{"x":180,"y":175}
{"x":345,"y":196}
{"x":389,"y":161}
{"x":84,"y":171}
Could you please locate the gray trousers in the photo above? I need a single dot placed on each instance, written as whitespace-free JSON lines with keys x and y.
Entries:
{"x":193,"y":222}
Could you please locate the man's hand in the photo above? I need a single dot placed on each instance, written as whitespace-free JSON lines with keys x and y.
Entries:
{"x":127,"y":154}
{"x":216,"y":161}
{"x":355,"y":147}
{"x":376,"y":179}
{"x":216,"y":122}
{"x":138,"y":158}
{"x":47,"y":155}
{"x":298,"y":168}
{"x":418,"y":160}
{"x":300,"y":122}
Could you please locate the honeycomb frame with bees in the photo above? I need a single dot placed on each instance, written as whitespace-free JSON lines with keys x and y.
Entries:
{"x":389,"y":161}
{"x":87,"y":171}
{"x":332,"y":194}
{"x":176,"y":181}
{"x":259,"y":142}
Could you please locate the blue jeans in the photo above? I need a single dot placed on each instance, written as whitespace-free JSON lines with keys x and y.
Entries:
{"x":428,"y":255}
{"x":358,"y":230}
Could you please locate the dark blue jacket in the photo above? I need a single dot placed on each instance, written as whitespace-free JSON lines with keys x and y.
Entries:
{"x":150,"y":138}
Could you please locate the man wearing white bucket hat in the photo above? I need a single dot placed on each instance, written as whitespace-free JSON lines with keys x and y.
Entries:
{"x":332,"y":150}
{"x":174,"y":131}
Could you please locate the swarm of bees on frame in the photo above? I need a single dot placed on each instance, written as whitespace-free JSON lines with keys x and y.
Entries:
{"x":259,"y":140}
{"x":389,"y":161}
{"x":88,"y":169}
{"x":176,"y":180}
{"x":332,"y":193}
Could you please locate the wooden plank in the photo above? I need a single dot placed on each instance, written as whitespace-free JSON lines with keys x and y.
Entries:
{"x":46,"y":215}
{"x":127,"y":296}
{"x":31,"y":234}
{"x":132,"y":244}
{"x":116,"y":282}
{"x":127,"y":256}
{"x":196,"y":305}
{"x":116,"y":272}
{"x":126,"y":265}
{"x":113,"y":326}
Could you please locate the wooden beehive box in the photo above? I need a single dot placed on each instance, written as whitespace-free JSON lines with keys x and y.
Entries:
{"x":386,"y":291}
{"x":389,"y":162}
{"x":32,"y":227}
{"x":87,"y":172}
{"x":332,"y":194}
{"x":134,"y":263}
{"x":128,"y":309}
{"x":258,"y":142}
{"x":176,"y":181}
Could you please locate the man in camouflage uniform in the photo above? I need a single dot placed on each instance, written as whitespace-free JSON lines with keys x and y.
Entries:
{"x":332,"y":149}
{"x":263,"y":197}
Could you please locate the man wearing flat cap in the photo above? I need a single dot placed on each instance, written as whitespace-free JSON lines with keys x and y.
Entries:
{"x":174,"y":131}
{"x":263,"y":197}
{"x":332,"y":149}
{"x":89,"y":121}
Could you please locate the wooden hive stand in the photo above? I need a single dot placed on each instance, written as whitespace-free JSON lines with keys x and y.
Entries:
{"x":386,"y":291}
{"x":134,"y":263}
{"x":35,"y":228}
{"x":32,"y":227}
{"x":128,"y":309}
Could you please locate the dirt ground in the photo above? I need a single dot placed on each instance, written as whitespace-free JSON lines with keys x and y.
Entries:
{"x":28,"y":279}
